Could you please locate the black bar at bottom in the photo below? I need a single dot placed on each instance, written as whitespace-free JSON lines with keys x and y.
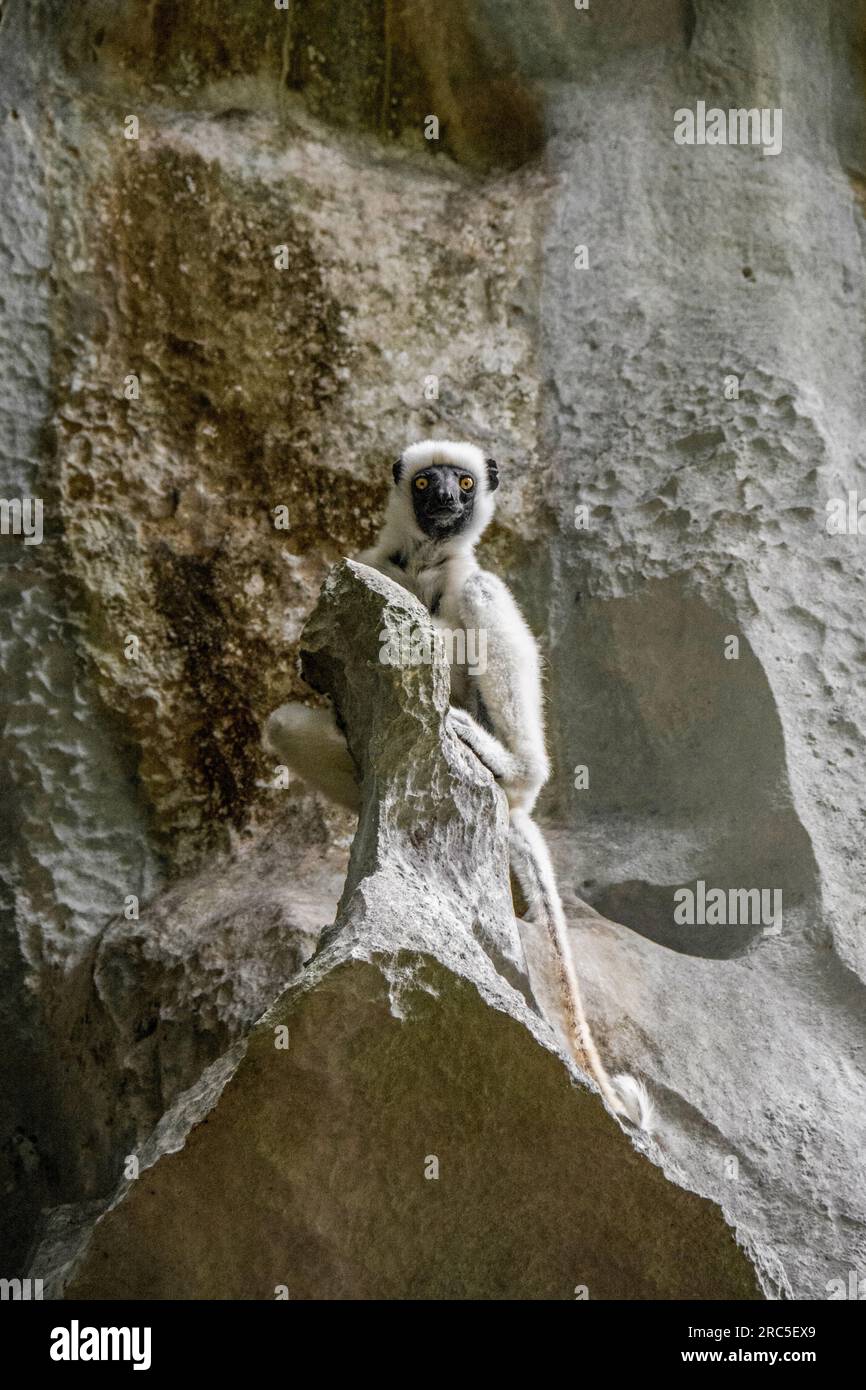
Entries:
{"x":253,"y":1337}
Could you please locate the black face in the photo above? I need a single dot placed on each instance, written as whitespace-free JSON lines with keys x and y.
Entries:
{"x":444,"y":499}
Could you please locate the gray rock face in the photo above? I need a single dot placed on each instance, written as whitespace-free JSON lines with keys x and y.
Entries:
{"x":157,"y":1000}
{"x":707,"y":519}
{"x":378,"y":1133}
{"x":431,"y":288}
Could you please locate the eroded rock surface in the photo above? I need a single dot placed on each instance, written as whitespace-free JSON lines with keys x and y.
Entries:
{"x":399,"y":1124}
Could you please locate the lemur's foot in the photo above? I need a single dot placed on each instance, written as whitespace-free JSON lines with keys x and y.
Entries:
{"x":486,"y":748}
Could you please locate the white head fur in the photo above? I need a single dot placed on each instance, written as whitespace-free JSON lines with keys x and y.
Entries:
{"x":400,"y":523}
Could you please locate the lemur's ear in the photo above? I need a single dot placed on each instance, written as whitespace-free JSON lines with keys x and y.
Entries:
{"x":492,"y":475}
{"x":397,"y":470}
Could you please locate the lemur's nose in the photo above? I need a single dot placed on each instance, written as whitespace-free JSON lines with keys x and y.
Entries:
{"x":446,"y":489}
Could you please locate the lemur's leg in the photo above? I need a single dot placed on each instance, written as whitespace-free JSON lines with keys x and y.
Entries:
{"x":309,"y":742}
{"x":509,"y":683}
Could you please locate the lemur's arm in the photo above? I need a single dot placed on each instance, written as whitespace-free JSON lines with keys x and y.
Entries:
{"x":378,"y":559}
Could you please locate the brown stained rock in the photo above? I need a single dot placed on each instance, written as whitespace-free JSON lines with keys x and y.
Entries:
{"x":418,"y":1136}
{"x":235,"y":361}
{"x":258,"y":388}
{"x":383,"y":66}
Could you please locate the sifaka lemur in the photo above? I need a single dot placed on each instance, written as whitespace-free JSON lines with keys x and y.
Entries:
{"x":441,"y":502}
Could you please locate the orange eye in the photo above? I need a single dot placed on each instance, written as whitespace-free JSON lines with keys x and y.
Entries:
{"x":421,"y":483}
{"x":467,"y":483}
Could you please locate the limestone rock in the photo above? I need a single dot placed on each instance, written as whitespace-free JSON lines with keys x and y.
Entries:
{"x":399,"y":1124}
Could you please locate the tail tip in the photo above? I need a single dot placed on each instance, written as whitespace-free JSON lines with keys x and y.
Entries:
{"x":636,"y":1103}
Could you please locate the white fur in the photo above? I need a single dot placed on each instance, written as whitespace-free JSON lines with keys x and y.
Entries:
{"x":505,"y":697}
{"x":636,"y":1099}
{"x":400,"y":523}
{"x":309,"y":742}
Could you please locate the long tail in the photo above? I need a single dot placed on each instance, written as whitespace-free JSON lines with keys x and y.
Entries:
{"x":530,"y":859}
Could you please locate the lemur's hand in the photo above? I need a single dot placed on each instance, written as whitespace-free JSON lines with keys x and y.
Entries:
{"x":461,"y":725}
{"x":485,"y":747}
